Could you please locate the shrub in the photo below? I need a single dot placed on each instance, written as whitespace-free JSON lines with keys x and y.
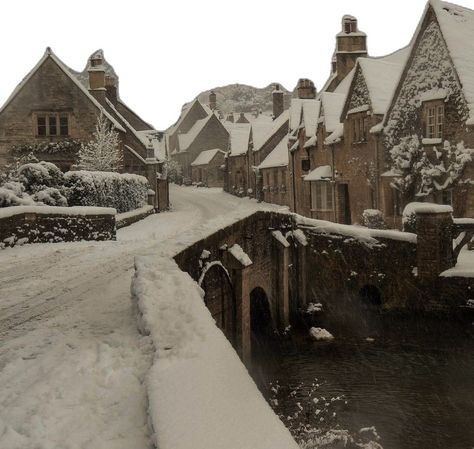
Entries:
{"x":373,"y":219}
{"x":37,"y":176}
{"x":50,"y":196}
{"x":14,"y":198}
{"x":124,"y":192}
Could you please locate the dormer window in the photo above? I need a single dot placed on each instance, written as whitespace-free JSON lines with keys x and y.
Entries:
{"x":434,"y":119}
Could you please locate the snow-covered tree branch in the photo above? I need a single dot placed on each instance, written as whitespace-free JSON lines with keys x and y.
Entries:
{"x":422,"y":173}
{"x":103,"y":152}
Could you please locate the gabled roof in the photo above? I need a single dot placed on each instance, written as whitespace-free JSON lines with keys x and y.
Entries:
{"x":205,"y":157}
{"x":278,"y":157}
{"x":239,"y":139}
{"x":270,"y":131}
{"x":185,"y":111}
{"x":185,"y":140}
{"x":457,"y":26}
{"x":332,"y":104}
{"x":49,"y":54}
{"x":381,"y":76}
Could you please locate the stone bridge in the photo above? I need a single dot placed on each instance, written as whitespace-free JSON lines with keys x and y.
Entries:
{"x":261,"y":272}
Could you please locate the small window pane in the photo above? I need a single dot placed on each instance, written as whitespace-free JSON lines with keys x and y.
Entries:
{"x":64,"y":126}
{"x":53,"y":129}
{"x":41,"y":126}
{"x":328,"y":196}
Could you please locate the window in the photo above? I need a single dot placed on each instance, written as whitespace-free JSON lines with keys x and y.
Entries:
{"x":305,"y":164}
{"x":434,"y":116}
{"x":41,"y":126}
{"x":360,"y":126}
{"x":52,"y":124}
{"x":321,"y":195}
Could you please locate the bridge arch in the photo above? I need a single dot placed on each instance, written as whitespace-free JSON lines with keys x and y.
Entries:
{"x":219,"y":297}
{"x":261,"y":321}
{"x":370,"y":295}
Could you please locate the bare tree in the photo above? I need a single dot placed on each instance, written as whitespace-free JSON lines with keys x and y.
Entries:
{"x":102,"y":153}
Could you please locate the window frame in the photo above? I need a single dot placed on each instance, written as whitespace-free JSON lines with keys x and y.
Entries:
{"x":322,"y":196}
{"x":434,"y":119}
{"x":52,"y":121}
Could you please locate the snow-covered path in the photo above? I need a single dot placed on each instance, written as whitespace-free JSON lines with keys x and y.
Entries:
{"x":71,"y":360}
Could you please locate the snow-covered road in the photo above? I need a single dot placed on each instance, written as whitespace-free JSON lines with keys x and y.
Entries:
{"x":71,"y":360}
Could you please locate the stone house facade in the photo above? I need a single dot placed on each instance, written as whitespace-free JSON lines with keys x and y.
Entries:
{"x":208,"y":168}
{"x":54,"y":109}
{"x":190,"y":137}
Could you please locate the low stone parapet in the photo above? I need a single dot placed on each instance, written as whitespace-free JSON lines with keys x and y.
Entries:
{"x":50,"y":224}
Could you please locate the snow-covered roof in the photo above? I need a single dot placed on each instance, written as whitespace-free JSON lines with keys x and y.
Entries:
{"x":239,"y":139}
{"x":185,"y":140}
{"x":262,"y":132}
{"x":336,"y":135}
{"x":49,"y":54}
{"x":278,"y":157}
{"x":159,"y":145}
{"x":205,"y":157}
{"x":381,"y":76}
{"x":321,"y":173}
{"x":457,"y":26}
{"x":311,"y":110}
{"x":332,"y":104}
{"x":185,"y":111}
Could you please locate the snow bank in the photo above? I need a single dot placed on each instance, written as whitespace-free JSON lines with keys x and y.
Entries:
{"x":200,"y":394}
{"x":6,"y":212}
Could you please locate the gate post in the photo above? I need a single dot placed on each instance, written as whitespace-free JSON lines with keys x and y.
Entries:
{"x":434,"y":252}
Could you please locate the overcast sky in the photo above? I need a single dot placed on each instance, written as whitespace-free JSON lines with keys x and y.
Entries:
{"x":168,"y":51}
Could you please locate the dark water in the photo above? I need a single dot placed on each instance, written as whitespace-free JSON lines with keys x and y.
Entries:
{"x":414,"y":382}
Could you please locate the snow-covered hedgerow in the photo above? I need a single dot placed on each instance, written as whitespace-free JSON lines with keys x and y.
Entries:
{"x":121,"y":191}
{"x":50,"y":197}
{"x":14,"y":196}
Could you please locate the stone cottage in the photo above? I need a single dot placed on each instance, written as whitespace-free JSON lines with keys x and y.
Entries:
{"x":208,"y":168}
{"x":54,"y":109}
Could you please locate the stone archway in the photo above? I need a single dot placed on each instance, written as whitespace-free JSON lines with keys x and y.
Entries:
{"x":220,"y":299}
{"x":261,"y":323}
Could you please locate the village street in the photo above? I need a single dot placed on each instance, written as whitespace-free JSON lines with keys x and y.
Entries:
{"x":72,"y":362}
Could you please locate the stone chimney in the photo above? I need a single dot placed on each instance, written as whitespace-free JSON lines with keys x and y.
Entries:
{"x":230,"y":117}
{"x":278,"y":103}
{"x":350,"y":45}
{"x":111,"y":85}
{"x":306,"y":89}
{"x":242,"y":118}
{"x":213,"y":100}
{"x":96,"y":72}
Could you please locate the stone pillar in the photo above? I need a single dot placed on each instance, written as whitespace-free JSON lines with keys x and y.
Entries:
{"x":282,"y":287}
{"x":240,"y":276}
{"x":435,"y":242}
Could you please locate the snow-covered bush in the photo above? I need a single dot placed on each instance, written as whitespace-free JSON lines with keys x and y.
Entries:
{"x":50,"y":197}
{"x":12,"y":197}
{"x":124,"y":192}
{"x":373,"y":219}
{"x":37,"y":176}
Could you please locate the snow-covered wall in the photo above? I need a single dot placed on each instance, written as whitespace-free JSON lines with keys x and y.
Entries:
{"x":200,"y":394}
{"x":51,"y":224}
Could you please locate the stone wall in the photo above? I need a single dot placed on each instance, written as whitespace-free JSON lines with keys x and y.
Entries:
{"x":32,"y":227}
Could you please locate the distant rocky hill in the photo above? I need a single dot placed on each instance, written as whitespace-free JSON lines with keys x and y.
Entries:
{"x":243,"y":98}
